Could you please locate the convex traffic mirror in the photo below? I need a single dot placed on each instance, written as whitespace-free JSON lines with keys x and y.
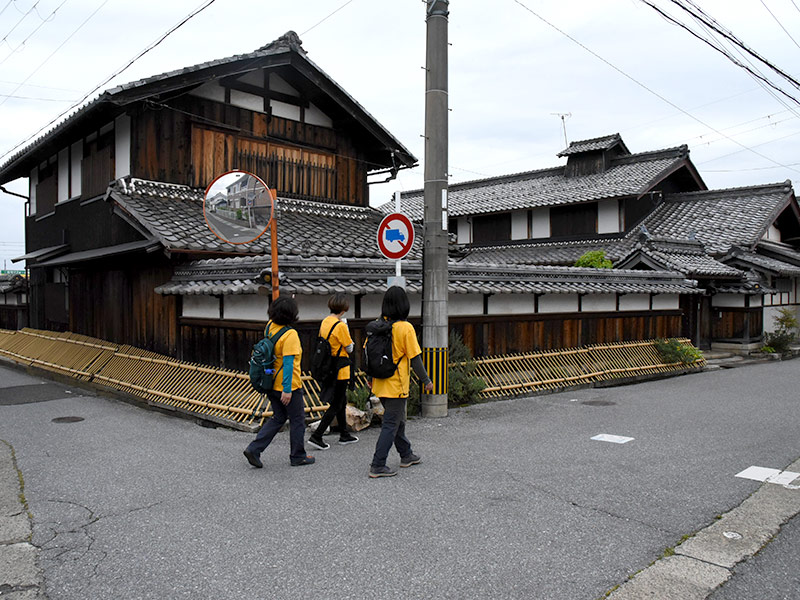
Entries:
{"x":237,"y":207}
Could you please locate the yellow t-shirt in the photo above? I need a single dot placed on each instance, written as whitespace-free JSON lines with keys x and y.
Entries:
{"x":338,"y":340}
{"x":404,"y":347}
{"x":288,"y":345}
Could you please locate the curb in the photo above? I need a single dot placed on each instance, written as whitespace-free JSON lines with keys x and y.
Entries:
{"x":20,"y":576}
{"x":706,"y":560}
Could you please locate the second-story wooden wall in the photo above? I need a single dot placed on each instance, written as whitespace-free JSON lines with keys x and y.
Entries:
{"x":195,"y":140}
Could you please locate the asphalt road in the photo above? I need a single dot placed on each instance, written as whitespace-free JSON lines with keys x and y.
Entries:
{"x":235,"y":233}
{"x":513,"y":499}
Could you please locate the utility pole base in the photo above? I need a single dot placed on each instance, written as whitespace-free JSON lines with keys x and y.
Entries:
{"x":434,"y":405}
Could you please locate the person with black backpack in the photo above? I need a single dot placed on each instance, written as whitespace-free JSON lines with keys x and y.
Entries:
{"x":286,"y":395}
{"x":330,"y":366}
{"x":390,"y":368}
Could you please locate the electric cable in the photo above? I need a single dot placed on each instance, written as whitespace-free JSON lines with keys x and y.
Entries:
{"x":326,"y":18}
{"x":115,"y":74}
{"x":32,"y":33}
{"x":643,"y":86}
{"x":786,"y":31}
{"x":5,"y":37}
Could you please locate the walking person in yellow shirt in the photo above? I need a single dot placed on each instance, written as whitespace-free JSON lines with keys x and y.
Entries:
{"x":393,"y":391}
{"x":334,"y":392}
{"x":286,"y":396}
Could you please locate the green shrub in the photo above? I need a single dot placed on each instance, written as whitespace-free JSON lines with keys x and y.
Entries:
{"x":786,"y":326}
{"x":595,"y":259}
{"x":239,"y":214}
{"x":672,"y":351}
{"x":463,"y":386}
{"x":768,"y":350}
{"x":359,"y":397}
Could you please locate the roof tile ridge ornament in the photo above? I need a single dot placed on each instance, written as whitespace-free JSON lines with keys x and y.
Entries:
{"x":288,"y":41}
{"x":777,"y":186}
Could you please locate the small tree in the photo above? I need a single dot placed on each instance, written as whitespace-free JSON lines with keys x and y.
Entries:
{"x":786,"y":326}
{"x":595,"y":259}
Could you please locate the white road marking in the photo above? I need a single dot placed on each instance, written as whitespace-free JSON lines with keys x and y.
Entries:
{"x":614,"y":439}
{"x":769,"y":475}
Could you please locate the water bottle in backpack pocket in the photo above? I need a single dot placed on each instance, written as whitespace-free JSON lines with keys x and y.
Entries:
{"x":262,"y":361}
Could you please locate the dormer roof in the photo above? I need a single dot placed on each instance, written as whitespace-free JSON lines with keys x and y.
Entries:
{"x":605,"y":143}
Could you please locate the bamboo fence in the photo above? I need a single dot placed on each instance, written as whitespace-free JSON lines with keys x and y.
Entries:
{"x":226,"y":395}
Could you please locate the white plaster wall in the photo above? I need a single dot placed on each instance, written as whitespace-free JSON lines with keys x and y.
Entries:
{"x":255,"y":78}
{"x":314,"y":116}
{"x":279,"y":84}
{"x":285,"y":111}
{"x":756,"y":300}
{"x":773,"y":234}
{"x":200,"y":307}
{"x":599,"y":303}
{"x":76,"y":157}
{"x":608,"y":216}
{"x":464,"y":304}
{"x":248,"y":101}
{"x":555,"y":303}
{"x":634,"y":302}
{"x":519,"y":225}
{"x":510,"y":304}
{"x":371,"y":305}
{"x":211,"y":91}
{"x":245,"y":308}
{"x":312,"y":308}
{"x":122,"y":146}
{"x":727,"y":300}
{"x":33,"y":181}
{"x":540,"y":222}
{"x":770,"y":313}
{"x":63,"y":175}
{"x":464,"y":231}
{"x":666,"y":302}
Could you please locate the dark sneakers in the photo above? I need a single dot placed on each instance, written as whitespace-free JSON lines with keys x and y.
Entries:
{"x":346,"y":438}
{"x":308,"y":460}
{"x":318,"y":443}
{"x":253,"y":459}
{"x":411,"y":459}
{"x":383,"y":471}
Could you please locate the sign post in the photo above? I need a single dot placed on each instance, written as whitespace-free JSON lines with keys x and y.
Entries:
{"x":395,"y":239}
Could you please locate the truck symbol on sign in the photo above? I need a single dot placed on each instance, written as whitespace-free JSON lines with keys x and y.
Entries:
{"x":395,"y":235}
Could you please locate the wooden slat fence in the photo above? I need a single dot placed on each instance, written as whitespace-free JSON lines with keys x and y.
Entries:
{"x":223,"y":394}
{"x":516,"y":374}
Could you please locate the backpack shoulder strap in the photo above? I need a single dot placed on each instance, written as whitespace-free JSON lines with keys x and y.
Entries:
{"x":277,"y":335}
{"x":330,"y":331}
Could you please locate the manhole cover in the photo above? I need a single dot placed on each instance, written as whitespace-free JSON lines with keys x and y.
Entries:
{"x":67,"y":419}
{"x":598,"y":403}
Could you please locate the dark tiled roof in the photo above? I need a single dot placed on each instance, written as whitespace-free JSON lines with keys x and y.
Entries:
{"x":684,"y":256}
{"x":111,"y":100}
{"x":601,"y":143}
{"x":631,"y":175}
{"x":546,"y":253}
{"x":368,"y":276}
{"x":720,"y":218}
{"x":173,"y":214}
{"x":747,"y":259}
{"x":13,"y":283}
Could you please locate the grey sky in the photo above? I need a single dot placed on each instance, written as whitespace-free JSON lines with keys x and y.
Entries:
{"x":509,"y":74}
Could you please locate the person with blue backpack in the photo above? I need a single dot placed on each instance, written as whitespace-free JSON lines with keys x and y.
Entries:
{"x":286,"y":395}
{"x":391,"y":380}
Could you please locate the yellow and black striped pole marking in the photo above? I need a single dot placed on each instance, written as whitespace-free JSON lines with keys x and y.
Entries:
{"x":435,"y":362}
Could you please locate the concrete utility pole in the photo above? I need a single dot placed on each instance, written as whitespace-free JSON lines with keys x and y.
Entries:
{"x":434,"y":258}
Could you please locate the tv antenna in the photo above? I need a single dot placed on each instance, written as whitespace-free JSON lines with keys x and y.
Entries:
{"x":563,"y":117}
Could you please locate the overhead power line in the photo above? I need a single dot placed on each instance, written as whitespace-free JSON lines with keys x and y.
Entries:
{"x":174,"y":28}
{"x":643,"y":86}
{"x":777,"y":20}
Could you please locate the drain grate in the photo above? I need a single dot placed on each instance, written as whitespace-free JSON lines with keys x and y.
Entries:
{"x":67,"y":419}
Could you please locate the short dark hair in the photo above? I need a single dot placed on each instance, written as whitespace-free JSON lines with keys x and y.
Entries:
{"x":395,"y":306}
{"x":338,"y":303}
{"x":283,"y":311}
